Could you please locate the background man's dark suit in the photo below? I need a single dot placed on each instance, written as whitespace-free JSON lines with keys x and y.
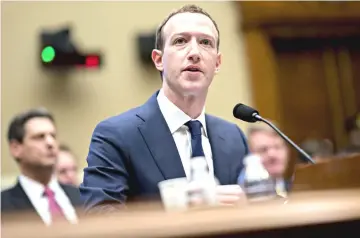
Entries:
{"x":132,"y":152}
{"x":15,"y":199}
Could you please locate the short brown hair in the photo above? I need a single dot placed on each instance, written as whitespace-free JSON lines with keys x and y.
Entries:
{"x":260,"y":127}
{"x":159,"y":41}
{"x":16,"y":130}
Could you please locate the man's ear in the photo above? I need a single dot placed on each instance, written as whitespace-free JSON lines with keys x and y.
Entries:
{"x":15,"y":148}
{"x":156,"y":56}
{"x":218,"y":62}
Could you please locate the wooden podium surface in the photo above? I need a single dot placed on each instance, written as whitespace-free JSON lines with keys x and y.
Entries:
{"x":328,"y":174}
{"x":267,"y":219}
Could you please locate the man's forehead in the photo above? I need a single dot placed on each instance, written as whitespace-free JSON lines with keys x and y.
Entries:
{"x":39,"y":124}
{"x":263,"y":133}
{"x":260,"y":137}
{"x":66,"y":156}
{"x":184,"y":22}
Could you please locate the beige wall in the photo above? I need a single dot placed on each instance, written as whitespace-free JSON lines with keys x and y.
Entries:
{"x":81,"y":99}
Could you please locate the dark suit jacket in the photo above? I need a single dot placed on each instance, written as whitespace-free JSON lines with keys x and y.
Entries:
{"x":132,"y":152}
{"x":14,"y":199}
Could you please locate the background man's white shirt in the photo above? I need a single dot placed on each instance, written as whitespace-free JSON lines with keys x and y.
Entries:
{"x":35,"y":193}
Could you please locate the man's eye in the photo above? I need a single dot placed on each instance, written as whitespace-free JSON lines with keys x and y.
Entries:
{"x":206,"y":42}
{"x":179,"y":41}
{"x":39,"y":136}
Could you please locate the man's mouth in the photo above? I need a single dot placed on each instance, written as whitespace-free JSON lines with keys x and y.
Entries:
{"x":192,"y":69}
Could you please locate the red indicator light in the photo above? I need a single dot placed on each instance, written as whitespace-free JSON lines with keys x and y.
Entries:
{"x":92,"y":61}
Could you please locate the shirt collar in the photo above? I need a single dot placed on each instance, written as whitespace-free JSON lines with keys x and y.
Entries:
{"x":30,"y":185}
{"x":174,"y":116}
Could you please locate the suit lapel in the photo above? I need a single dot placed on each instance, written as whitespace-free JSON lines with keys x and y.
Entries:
{"x":20,"y":199}
{"x":159,"y":140}
{"x":220,"y":151}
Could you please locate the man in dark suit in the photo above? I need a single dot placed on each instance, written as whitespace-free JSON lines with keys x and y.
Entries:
{"x":33,"y":144}
{"x":132,"y":152}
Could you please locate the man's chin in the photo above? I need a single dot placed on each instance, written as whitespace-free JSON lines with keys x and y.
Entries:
{"x":275,"y":171}
{"x":193,"y":89}
{"x":47,"y":164}
{"x":190,"y":93}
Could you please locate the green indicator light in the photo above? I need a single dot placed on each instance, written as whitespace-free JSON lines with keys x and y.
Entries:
{"x":48,"y":54}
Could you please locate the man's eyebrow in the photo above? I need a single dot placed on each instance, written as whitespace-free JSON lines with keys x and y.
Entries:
{"x":190,"y":33}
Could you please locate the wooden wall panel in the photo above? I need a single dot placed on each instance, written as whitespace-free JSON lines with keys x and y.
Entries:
{"x":354,"y":53}
{"x":305,"y":103}
{"x":336,"y":101}
{"x":263,"y":79}
{"x":255,"y":13}
{"x":307,"y":91}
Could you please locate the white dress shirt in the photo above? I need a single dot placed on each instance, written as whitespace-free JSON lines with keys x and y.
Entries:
{"x":280,"y":187}
{"x":175,"y":119}
{"x":35,"y":192}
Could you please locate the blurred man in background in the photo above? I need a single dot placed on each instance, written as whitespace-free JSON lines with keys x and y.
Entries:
{"x":272,"y":149}
{"x":134,"y":151}
{"x":66,"y":167}
{"x":318,"y":149}
{"x":353,"y":128}
{"x":33,"y":144}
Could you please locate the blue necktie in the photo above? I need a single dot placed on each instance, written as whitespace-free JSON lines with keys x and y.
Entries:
{"x":196,"y":145}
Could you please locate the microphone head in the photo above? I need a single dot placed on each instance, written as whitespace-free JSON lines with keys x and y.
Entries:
{"x":245,"y":113}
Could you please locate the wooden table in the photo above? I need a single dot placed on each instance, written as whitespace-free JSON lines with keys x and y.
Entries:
{"x":308,"y":212}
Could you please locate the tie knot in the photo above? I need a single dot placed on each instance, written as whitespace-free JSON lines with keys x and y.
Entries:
{"x":194,"y":127}
{"x":48,"y":192}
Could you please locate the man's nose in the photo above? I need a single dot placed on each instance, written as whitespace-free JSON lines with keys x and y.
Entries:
{"x":194,"y":54}
{"x":50,"y":141}
{"x":272,"y":152}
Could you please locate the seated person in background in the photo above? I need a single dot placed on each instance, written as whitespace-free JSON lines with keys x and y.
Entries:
{"x":66,"y":168}
{"x":349,"y":151}
{"x":33,"y":144}
{"x":318,"y":149}
{"x":353,"y":128}
{"x":272,"y":149}
{"x":354,"y":137}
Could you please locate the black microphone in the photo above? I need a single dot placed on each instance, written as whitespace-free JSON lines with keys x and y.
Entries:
{"x":248,"y":114}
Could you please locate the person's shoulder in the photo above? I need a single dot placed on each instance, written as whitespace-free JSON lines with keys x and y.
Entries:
{"x":225,"y":125}
{"x":124,"y":120}
{"x":124,"y":117}
{"x":11,"y":189}
{"x":132,"y":116}
{"x":7,"y":195}
{"x":220,"y":121}
{"x":130,"y":119}
{"x":7,"y":191}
